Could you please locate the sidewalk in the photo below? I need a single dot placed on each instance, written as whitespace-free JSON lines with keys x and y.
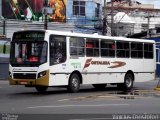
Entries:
{"x":4,"y":59}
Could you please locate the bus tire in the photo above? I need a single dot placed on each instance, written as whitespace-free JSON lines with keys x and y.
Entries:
{"x":99,"y":86}
{"x":41,"y":89}
{"x":128,"y":82}
{"x":74,"y":83}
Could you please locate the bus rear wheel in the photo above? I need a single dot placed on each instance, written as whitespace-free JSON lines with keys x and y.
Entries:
{"x":41,"y":89}
{"x":99,"y":86}
{"x":128,"y":82}
{"x":74,"y":83}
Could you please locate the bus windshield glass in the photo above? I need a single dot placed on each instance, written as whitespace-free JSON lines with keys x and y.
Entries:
{"x":28,"y":53}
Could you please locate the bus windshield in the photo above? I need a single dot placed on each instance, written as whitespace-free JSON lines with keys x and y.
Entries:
{"x":28,"y":53}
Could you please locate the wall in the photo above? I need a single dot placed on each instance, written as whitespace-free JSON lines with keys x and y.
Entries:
{"x":90,"y":6}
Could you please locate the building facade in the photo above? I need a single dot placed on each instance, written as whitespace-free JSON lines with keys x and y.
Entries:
{"x":62,"y":10}
{"x":143,"y":17}
{"x":84,"y":9}
{"x":76,"y":15}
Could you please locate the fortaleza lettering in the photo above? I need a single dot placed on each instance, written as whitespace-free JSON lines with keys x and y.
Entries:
{"x":100,"y":62}
{"x":114,"y":64}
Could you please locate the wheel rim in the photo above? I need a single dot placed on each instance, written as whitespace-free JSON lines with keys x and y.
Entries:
{"x":74,"y":82}
{"x":129,"y":81}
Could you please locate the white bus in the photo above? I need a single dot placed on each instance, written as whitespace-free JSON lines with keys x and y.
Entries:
{"x":42,"y":59}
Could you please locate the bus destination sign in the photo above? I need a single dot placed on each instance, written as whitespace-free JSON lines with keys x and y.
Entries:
{"x":29,"y":35}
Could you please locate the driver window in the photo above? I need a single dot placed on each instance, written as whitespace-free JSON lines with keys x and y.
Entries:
{"x":57,"y":49}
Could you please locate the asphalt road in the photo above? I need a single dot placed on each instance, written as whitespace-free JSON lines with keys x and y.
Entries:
{"x":143,"y":99}
{"x":4,"y":68}
{"x":4,"y":71}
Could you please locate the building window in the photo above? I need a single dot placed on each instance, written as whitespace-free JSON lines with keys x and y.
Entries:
{"x":79,"y":8}
{"x":144,"y":27}
{"x":97,"y":10}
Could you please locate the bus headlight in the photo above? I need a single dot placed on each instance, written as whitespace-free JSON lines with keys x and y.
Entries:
{"x":41,"y":74}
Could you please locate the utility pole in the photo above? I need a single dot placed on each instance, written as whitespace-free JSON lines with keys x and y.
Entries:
{"x":104,"y":30}
{"x":148,"y":24}
{"x":112,"y":1}
{"x":45,"y":14}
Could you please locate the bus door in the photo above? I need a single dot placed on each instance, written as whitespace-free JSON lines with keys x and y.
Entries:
{"x":57,"y":55}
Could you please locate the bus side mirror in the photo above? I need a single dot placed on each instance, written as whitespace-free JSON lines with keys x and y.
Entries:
{"x":4,"y":49}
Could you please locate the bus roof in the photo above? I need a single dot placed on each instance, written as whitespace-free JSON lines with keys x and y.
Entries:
{"x":96,"y":36}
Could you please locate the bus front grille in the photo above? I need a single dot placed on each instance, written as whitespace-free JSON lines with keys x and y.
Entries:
{"x":24,"y":76}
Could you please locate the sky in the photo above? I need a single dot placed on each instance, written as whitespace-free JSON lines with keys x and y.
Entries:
{"x":155,"y":2}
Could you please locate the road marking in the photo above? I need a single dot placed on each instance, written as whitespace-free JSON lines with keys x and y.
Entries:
{"x":63,"y":100}
{"x":77,"y":98}
{"x":89,"y":97}
{"x":2,"y":82}
{"x":63,"y":106}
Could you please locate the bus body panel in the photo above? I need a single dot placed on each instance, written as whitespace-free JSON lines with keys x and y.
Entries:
{"x":59,"y":74}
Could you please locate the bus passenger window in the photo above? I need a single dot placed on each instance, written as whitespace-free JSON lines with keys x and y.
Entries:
{"x":122,"y":49}
{"x":148,"y":51}
{"x":92,"y":47}
{"x":136,"y":50}
{"x":108,"y":48}
{"x":77,"y":45}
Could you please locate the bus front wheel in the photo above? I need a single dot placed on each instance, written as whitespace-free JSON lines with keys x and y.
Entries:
{"x":41,"y":89}
{"x":74,"y":83}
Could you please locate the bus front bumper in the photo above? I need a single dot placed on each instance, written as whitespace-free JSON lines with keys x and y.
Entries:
{"x":43,"y":81}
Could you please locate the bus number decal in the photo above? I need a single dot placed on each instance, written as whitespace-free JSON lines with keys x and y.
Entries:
{"x":63,"y":66}
{"x":76,"y":65}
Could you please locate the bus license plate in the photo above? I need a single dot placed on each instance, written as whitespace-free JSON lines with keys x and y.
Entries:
{"x":23,"y":82}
